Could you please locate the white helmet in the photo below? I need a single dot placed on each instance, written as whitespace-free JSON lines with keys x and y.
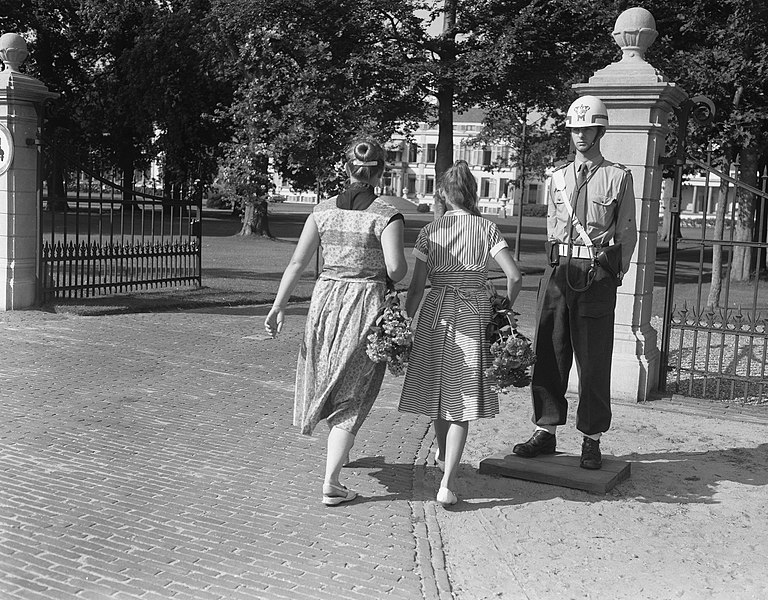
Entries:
{"x":587,"y":111}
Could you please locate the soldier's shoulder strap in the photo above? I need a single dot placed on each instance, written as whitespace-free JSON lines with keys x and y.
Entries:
{"x":626,"y":176}
{"x":558,"y":175}
{"x":620,"y":166}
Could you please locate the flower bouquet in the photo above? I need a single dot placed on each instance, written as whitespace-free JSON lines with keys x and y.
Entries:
{"x":511,"y":350}
{"x":391,"y":337}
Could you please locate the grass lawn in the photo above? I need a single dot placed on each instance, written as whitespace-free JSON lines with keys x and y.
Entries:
{"x":240,"y":270}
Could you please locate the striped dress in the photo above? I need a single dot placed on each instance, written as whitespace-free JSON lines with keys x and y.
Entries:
{"x":446,"y":371}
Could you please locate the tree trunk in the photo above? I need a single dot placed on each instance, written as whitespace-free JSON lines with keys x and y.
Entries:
{"x":716,"y":285}
{"x":57,"y":190}
{"x":445,"y":94}
{"x":743,"y":265}
{"x":126,"y":174}
{"x":444,"y":158}
{"x":256,"y":219}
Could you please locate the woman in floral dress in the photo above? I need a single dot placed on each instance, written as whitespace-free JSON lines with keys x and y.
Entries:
{"x":446,"y":379}
{"x":362,"y":244}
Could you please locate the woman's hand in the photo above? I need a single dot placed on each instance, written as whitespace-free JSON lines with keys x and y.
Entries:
{"x":274,"y":321}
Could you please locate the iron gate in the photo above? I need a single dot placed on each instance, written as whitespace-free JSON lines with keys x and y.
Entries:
{"x":715,"y":342}
{"x":99,"y":237}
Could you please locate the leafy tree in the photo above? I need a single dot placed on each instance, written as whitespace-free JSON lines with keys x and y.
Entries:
{"x":243,"y":174}
{"x":534,"y":51}
{"x":720,"y":49}
{"x":137,"y":79}
{"x":711,"y":47}
{"x":155,"y":85}
{"x":316,"y":72}
{"x":53,"y":35}
{"x":313,"y":75}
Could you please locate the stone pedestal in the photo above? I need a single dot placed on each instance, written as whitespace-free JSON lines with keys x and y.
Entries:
{"x":558,"y":469}
{"x":639,"y":101}
{"x":21,"y":100}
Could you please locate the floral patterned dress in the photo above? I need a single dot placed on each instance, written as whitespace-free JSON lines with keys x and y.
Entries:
{"x":335,"y":379}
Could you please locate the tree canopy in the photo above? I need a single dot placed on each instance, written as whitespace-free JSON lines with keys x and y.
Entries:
{"x":138,"y":79}
{"x":294,"y":81}
{"x":313,"y":74}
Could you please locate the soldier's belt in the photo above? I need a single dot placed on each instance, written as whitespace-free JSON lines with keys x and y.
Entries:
{"x":576,"y":251}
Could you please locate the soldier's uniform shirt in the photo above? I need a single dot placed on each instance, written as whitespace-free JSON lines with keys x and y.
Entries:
{"x":610,"y":201}
{"x":574,"y":323}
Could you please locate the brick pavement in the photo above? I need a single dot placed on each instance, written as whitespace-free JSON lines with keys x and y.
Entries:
{"x":152,"y":456}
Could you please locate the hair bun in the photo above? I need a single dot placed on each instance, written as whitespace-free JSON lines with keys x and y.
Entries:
{"x":365,"y":155}
{"x":366,"y":159}
{"x":363,"y":151}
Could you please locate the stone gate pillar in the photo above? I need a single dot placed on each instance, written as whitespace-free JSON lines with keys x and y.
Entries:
{"x":21,"y":101}
{"x":639,"y":101}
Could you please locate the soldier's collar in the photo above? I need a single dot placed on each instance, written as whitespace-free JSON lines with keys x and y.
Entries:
{"x":591,"y":164}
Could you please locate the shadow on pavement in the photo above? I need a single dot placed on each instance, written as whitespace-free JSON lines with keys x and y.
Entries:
{"x":666,"y":477}
{"x":396,"y":478}
{"x":260,"y":310}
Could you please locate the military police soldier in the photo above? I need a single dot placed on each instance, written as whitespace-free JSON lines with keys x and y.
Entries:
{"x":592,"y":235}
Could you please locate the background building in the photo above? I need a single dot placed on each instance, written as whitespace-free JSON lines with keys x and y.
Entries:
{"x":411,"y":166}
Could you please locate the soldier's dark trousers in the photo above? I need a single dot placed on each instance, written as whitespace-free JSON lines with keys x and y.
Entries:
{"x":574,"y":325}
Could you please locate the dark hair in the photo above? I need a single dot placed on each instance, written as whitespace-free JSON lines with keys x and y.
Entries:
{"x":365,"y":160}
{"x":459,"y":186}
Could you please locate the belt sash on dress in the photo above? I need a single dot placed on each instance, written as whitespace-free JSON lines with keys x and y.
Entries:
{"x":352,"y":279}
{"x":464,"y":284}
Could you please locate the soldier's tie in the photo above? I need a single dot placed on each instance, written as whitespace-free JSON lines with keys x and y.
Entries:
{"x":581,"y":198}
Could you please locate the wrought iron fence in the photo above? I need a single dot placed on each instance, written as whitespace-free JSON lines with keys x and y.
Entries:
{"x":715,"y":345}
{"x":98,"y":237}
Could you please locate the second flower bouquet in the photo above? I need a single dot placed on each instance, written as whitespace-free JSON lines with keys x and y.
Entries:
{"x":511,"y":350}
{"x":391,"y":336}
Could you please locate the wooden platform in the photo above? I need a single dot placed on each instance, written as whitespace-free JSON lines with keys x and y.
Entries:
{"x":558,"y":469}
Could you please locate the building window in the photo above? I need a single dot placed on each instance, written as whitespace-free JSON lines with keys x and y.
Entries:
{"x":503,"y":184}
{"x":430,"y":185}
{"x":394,"y":156}
{"x":533,"y":193}
{"x":413,"y":151}
{"x":431,"y":153}
{"x":485,"y":187}
{"x":411,"y":184}
{"x":486,"y":158}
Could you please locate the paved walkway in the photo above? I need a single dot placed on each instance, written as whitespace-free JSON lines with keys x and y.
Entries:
{"x":152,"y":456}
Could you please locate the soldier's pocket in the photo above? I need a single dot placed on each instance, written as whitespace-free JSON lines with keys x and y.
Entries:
{"x":599,"y":300}
{"x":560,"y":193}
{"x":601,"y":210}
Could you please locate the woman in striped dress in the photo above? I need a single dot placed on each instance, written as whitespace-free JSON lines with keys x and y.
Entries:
{"x":446,"y":379}
{"x":362,"y":243}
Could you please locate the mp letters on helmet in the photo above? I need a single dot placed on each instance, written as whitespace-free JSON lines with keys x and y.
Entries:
{"x":587,"y":111}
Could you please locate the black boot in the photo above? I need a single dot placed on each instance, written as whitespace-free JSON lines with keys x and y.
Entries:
{"x":590,"y":454}
{"x":541,"y":442}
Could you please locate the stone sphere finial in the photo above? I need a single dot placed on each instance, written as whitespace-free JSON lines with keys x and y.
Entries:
{"x":634,"y":32}
{"x":13,"y":51}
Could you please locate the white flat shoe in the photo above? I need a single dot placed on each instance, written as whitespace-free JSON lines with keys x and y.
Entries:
{"x":446,"y":497}
{"x":334,"y":494}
